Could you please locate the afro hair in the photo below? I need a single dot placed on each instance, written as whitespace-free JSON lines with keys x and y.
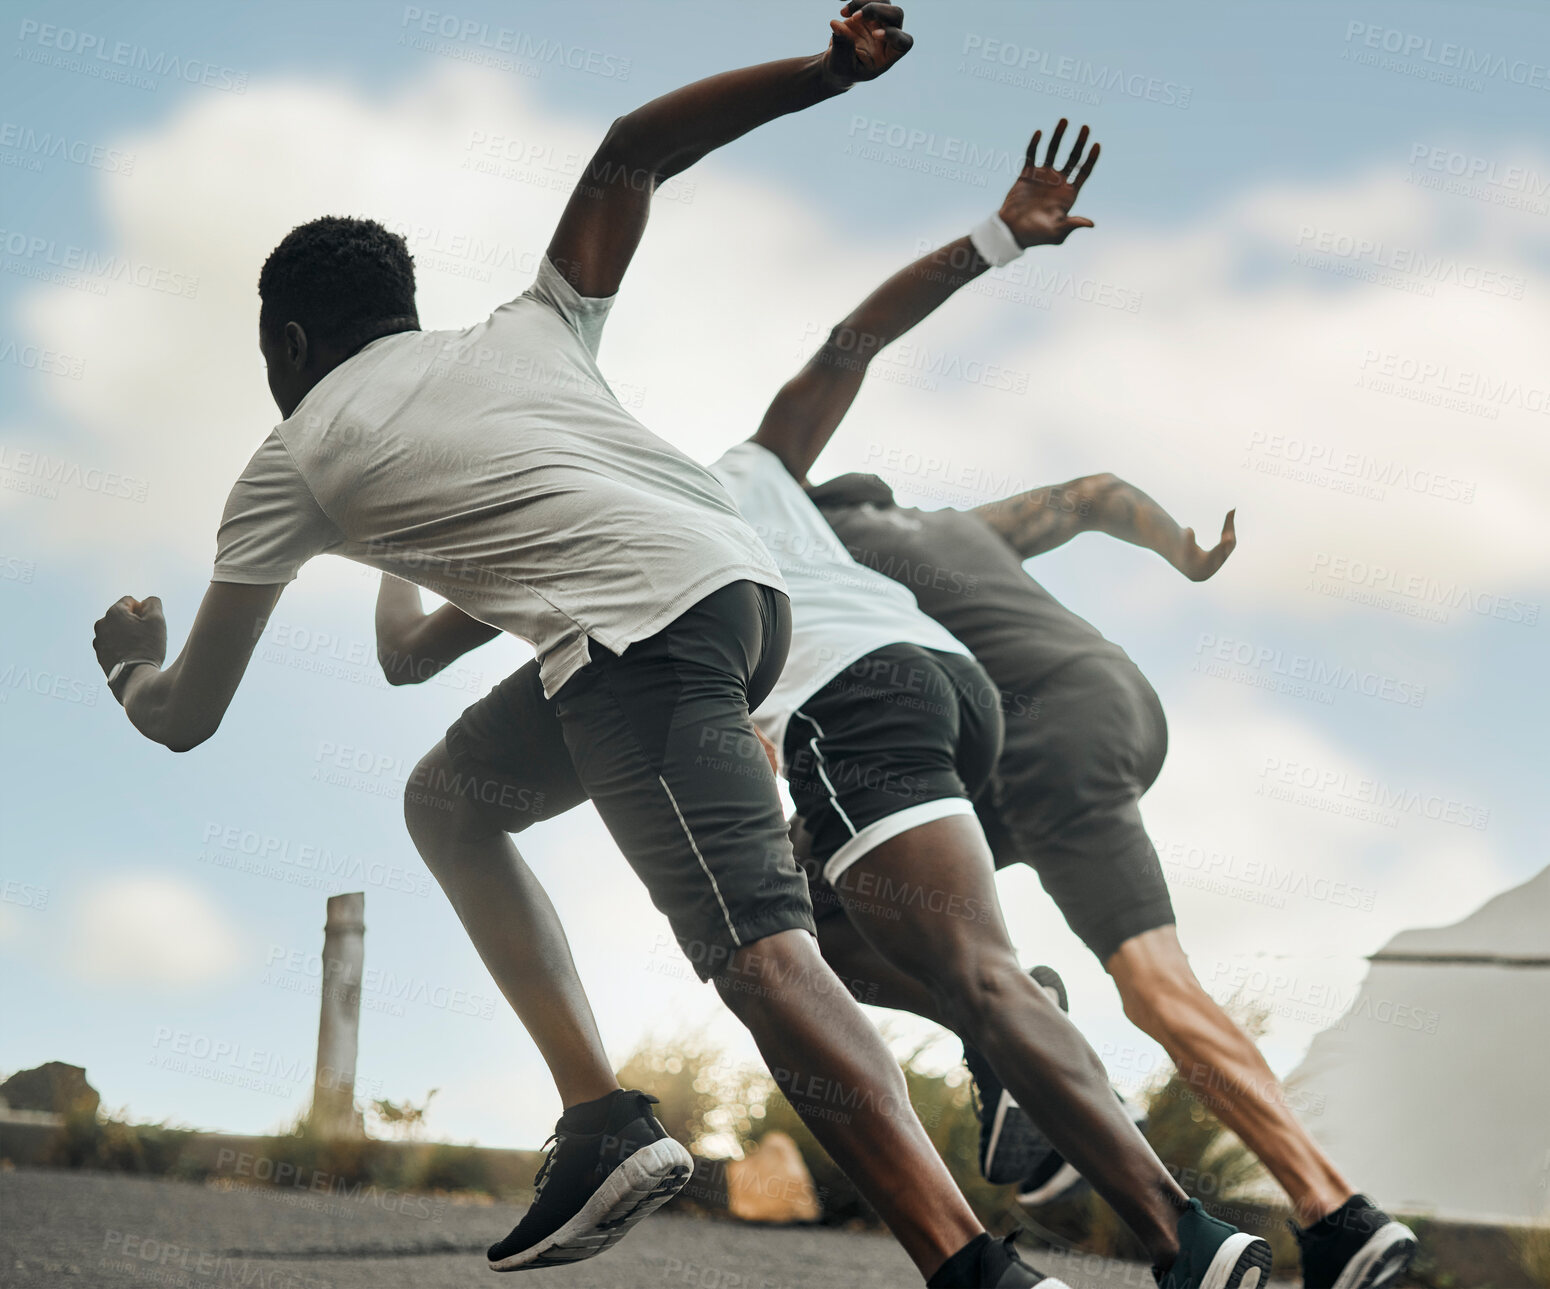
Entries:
{"x":346,"y":281}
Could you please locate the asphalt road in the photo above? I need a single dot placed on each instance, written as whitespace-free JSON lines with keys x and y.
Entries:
{"x":62,"y":1228}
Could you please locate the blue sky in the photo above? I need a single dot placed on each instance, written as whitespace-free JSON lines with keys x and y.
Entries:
{"x":1315,"y":292}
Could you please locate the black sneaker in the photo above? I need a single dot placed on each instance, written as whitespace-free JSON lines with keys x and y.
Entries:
{"x":1012,"y":1148}
{"x":593,"y":1187}
{"x":985,"y":1263}
{"x":1054,"y":1179}
{"x":1215,"y":1255}
{"x":1358,"y":1246}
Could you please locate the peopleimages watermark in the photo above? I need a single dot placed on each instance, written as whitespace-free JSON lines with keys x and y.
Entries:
{"x":119,"y":61}
{"x":319,"y":1190}
{"x":220,"y":1059}
{"x":462,"y":254}
{"x":1007,"y":63}
{"x":1416,"y":595}
{"x":246,"y":850}
{"x":940,"y":156}
{"x":911,"y":363}
{"x":1258,"y":881}
{"x":1403,"y":268}
{"x":1325,"y":466}
{"x":1038,"y":281}
{"x":539,"y":163}
{"x":1463,"y":174}
{"x":45,"y":259}
{"x":1431,"y":381}
{"x":1340,"y":792}
{"x":40,"y":475}
{"x":380,"y":989}
{"x":361,"y":662}
{"x":176,"y":1266}
{"x":45,"y":683}
{"x":1443,"y":61}
{"x":28,"y":148}
{"x":40,"y":359}
{"x":940,"y":476}
{"x":1314,"y":1002}
{"x":474,"y":40}
{"x":13,"y":568}
{"x":1299,"y":675}
{"x":24,"y":894}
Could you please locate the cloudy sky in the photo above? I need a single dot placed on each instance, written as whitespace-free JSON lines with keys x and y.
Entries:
{"x":1316,"y":292}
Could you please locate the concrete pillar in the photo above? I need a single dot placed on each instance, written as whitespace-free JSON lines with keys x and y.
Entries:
{"x":339,"y":1018}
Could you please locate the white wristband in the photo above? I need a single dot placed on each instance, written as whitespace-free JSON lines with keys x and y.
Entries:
{"x":994,"y":241}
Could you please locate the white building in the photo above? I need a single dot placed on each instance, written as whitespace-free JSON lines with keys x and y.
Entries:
{"x":1435,"y":1086}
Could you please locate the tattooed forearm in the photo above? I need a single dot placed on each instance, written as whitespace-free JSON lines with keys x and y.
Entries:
{"x":1041,"y":519}
{"x":1044,"y":518}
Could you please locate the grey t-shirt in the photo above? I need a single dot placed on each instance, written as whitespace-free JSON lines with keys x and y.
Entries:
{"x":965,"y":576}
{"x":495,"y":467}
{"x":1084,"y":729}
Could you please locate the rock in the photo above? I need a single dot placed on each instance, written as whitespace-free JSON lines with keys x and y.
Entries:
{"x":54,"y":1087}
{"x":772,"y":1184}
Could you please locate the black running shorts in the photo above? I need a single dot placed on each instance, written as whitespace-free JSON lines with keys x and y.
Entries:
{"x":1066,"y":799}
{"x":903,"y":736}
{"x":660,"y":740}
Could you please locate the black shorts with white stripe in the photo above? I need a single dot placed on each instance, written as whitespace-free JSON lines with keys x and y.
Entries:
{"x":902,"y":736}
{"x":660,"y":739}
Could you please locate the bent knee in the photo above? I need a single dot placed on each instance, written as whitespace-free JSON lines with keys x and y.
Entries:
{"x":979,"y":987}
{"x":437,"y":802}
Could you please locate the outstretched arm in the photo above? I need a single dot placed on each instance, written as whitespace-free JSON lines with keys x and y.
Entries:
{"x":413,"y":645}
{"x":182,"y":705}
{"x":1044,"y":518}
{"x":606,"y":215}
{"x":809,"y":408}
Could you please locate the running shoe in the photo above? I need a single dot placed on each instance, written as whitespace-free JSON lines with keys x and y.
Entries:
{"x":1012,"y":1148}
{"x":1358,"y":1246}
{"x":1214,"y":1255}
{"x":594,"y":1186}
{"x":986,"y":1263}
{"x":1054,"y":1179}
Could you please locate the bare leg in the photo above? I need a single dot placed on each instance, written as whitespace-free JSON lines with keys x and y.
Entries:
{"x":508,"y":916}
{"x":869,"y":976}
{"x":1164,"y":999}
{"x":932,"y":912}
{"x":840,"y":1077}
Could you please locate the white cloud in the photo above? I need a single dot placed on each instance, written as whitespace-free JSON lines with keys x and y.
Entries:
{"x":151,"y":930}
{"x":733,"y":285}
{"x":1233,"y":340}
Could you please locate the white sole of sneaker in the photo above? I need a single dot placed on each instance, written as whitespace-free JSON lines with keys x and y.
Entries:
{"x":1243,"y":1262}
{"x":1384,"y":1256}
{"x":1053,"y":1189}
{"x":634,"y":1190}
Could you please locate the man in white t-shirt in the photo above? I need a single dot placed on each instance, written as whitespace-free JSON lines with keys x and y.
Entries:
{"x":494,"y":466}
{"x":887,"y":730}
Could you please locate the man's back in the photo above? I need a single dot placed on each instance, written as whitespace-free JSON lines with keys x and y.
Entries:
{"x":840,"y":609}
{"x":495,"y":467}
{"x":966,"y":577}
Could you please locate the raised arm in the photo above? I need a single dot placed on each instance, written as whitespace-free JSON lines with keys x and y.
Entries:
{"x":800,"y":422}
{"x":1040,"y":520}
{"x":606,"y":215}
{"x":413,"y":645}
{"x":182,"y":705}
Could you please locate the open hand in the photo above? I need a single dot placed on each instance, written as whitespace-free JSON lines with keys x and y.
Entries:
{"x":1197,"y":564}
{"x":868,"y":39}
{"x":131,"y":628}
{"x":1037,"y":209}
